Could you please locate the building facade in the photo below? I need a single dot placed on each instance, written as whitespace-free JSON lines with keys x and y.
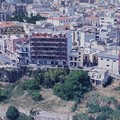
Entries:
{"x":50,"y":49}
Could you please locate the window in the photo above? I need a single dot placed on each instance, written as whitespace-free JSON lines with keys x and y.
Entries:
{"x":75,"y":58}
{"x":71,"y":58}
{"x":107,"y":65}
{"x":114,"y":60}
{"x":101,"y":58}
{"x":79,"y":53}
{"x":107,"y":59}
{"x":102,"y":18}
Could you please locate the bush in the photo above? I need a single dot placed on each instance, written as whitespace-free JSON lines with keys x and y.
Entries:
{"x":94,"y":108}
{"x":3,"y":95}
{"x":36,"y":96}
{"x":12,"y":113}
{"x":22,"y":117}
{"x":81,"y":116}
{"x":101,"y":117}
{"x":31,"y":85}
{"x":106,"y":110}
{"x":74,"y":107}
{"x":117,"y":88}
{"x":115,"y":115}
{"x":25,"y":117}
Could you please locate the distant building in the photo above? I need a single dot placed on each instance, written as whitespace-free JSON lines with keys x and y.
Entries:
{"x":27,"y":1}
{"x":60,"y":20}
{"x":11,"y":28}
{"x":20,"y":9}
{"x":4,"y":15}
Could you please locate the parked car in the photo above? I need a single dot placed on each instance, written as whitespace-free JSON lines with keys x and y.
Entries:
{"x":6,"y":63}
{"x":14,"y":61}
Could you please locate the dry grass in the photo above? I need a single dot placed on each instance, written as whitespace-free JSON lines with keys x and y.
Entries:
{"x":49,"y":103}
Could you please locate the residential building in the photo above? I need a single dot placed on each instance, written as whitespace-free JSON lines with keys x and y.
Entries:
{"x":20,"y":9}
{"x":4,"y":15}
{"x":61,"y":20}
{"x":107,"y":20}
{"x":76,"y":58}
{"x":50,"y":48}
{"x":22,"y":52}
{"x":99,"y":76}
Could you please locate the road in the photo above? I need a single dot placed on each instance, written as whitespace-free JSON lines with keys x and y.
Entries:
{"x":4,"y":59}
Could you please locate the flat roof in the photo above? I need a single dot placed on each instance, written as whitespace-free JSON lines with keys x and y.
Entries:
{"x":109,"y":56}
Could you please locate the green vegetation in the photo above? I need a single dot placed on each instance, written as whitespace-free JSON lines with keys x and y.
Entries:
{"x":12,"y":75}
{"x":18,"y":91}
{"x":12,"y":113}
{"x":82,"y":116}
{"x":36,"y":95}
{"x":68,"y":85}
{"x":25,"y":18}
{"x":74,"y":87}
{"x":3,"y":95}
{"x":31,"y":85}
{"x":25,"y":117}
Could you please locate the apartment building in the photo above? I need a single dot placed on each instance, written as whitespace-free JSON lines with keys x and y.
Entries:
{"x":50,"y":48}
{"x":76,"y":58}
{"x":81,"y":57}
{"x":12,"y":43}
{"x":22,"y":52}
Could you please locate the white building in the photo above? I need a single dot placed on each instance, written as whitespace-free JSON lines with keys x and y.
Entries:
{"x":99,"y":76}
{"x":109,"y":61}
{"x":60,"y":21}
{"x":105,"y":21}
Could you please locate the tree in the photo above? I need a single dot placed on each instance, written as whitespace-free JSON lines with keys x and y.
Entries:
{"x":53,"y":76}
{"x":101,"y":117}
{"x":76,"y":84}
{"x":12,"y":113}
{"x":25,"y":18}
{"x":115,"y":115}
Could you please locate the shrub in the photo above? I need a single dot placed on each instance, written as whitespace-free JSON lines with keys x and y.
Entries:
{"x":94,"y":108}
{"x":3,"y":95}
{"x":12,"y":113}
{"x":74,"y":107}
{"x":36,"y":96}
{"x":101,"y":117}
{"x":31,"y":85}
